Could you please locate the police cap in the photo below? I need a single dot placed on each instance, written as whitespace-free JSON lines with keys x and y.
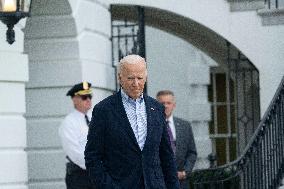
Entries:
{"x":83,"y":88}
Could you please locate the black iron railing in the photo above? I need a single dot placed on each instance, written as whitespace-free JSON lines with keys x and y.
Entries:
{"x":128,"y":36}
{"x":274,"y":4}
{"x":261,"y":164}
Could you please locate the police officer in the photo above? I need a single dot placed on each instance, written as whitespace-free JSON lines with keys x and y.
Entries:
{"x":73,"y":133}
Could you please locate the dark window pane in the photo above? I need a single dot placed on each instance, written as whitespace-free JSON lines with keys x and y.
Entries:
{"x":233,"y":149}
{"x":221,"y":151}
{"x":221,"y":87}
{"x":233,"y":119}
{"x":211,"y":123}
{"x":232,"y":91}
{"x":222,"y":119}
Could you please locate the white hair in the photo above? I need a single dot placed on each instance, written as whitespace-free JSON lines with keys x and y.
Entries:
{"x":130,"y":59}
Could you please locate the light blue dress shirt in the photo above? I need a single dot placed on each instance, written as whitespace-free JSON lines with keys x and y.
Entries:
{"x":136,"y":114}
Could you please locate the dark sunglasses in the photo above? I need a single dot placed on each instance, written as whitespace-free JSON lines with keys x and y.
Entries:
{"x":85,"y":97}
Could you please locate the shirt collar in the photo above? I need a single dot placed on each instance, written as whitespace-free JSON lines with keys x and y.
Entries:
{"x":129,"y":99}
{"x":80,"y":113}
{"x":171,"y":119}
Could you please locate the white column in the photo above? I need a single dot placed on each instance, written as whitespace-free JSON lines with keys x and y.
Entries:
{"x":13,"y":75}
{"x":93,"y":21}
{"x":199,"y":107}
{"x":67,"y":42}
{"x":54,"y":65}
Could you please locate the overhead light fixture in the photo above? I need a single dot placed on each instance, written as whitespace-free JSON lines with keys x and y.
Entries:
{"x":11,"y":11}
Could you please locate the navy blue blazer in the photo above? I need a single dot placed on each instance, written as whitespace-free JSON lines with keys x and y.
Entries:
{"x":113,"y":157}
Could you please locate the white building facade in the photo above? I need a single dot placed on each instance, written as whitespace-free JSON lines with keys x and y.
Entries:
{"x":68,"y":41}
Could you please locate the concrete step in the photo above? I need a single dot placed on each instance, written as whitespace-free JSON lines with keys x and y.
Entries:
{"x":272,"y":16}
{"x":246,"y":5}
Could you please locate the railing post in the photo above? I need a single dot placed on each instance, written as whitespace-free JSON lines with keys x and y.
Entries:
{"x":212,"y":159}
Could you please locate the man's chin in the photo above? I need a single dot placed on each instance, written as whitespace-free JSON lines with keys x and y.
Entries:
{"x":135,"y":95}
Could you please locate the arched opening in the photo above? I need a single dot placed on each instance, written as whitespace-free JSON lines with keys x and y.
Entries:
{"x":229,"y":128}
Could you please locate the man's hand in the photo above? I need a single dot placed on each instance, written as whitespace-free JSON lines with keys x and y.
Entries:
{"x":181,"y":175}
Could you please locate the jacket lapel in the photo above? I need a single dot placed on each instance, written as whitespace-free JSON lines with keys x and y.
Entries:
{"x":150,"y":116}
{"x":178,"y":129}
{"x":122,"y":116}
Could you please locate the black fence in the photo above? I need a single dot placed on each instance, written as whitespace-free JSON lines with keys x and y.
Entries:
{"x":261,"y":164}
{"x":128,"y":35}
{"x":274,"y":4}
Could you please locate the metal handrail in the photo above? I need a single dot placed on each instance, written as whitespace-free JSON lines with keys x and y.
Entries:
{"x":261,"y":164}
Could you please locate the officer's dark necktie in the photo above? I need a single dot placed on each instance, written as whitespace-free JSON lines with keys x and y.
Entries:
{"x":173,"y":143}
{"x":87,"y":120}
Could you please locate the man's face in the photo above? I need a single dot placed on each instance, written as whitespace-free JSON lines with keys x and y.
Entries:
{"x":132,"y":79}
{"x":82,"y":102}
{"x":169,"y":102}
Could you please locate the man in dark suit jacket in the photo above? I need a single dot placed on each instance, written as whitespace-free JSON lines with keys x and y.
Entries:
{"x":128,"y":146}
{"x":183,"y":140}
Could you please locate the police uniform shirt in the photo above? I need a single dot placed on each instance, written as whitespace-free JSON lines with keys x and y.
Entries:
{"x":73,"y":133}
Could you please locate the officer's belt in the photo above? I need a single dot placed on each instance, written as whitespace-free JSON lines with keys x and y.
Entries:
{"x":74,"y":168}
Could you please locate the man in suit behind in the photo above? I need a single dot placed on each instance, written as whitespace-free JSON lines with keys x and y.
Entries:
{"x":128,"y":146}
{"x":182,"y":138}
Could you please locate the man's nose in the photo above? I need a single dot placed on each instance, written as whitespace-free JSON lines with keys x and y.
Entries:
{"x":135,"y":81}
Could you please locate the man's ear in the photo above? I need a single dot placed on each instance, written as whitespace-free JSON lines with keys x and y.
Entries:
{"x":119,"y":78}
{"x":75,"y":100}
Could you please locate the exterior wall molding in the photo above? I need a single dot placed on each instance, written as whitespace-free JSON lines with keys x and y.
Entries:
{"x":13,"y":78}
{"x":272,"y":16}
